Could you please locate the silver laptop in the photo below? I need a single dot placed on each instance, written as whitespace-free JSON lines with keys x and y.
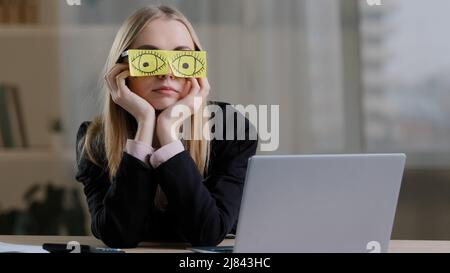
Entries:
{"x":320,"y":203}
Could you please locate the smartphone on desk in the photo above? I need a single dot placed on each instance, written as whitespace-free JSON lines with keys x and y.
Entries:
{"x":74,"y":247}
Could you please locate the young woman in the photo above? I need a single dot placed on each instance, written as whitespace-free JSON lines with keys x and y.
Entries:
{"x":140,"y":181}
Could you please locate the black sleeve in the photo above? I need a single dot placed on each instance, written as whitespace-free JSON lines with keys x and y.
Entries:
{"x":119,"y":209}
{"x":204,"y":212}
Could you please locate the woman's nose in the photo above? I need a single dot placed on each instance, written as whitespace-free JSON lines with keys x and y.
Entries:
{"x":170,"y":74}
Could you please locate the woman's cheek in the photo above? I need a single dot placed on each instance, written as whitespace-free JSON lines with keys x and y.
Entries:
{"x":133,"y":85}
{"x":140,"y":86}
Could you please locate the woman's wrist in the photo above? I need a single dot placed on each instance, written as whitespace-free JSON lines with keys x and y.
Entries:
{"x":166,"y":134}
{"x":145,"y":132}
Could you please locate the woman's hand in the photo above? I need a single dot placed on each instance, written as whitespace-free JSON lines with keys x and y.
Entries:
{"x":139,"y":108}
{"x":169,"y":122}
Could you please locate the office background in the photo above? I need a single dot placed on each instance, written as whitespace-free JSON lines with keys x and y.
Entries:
{"x":349,"y":78}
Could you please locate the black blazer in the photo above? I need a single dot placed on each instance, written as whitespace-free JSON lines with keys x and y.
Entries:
{"x":201,"y":211}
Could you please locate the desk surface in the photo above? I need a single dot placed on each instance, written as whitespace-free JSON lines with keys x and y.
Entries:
{"x":395,"y":246}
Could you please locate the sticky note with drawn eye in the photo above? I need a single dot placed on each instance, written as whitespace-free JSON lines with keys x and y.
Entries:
{"x":147,"y":63}
{"x":188,"y":64}
{"x":183,"y":64}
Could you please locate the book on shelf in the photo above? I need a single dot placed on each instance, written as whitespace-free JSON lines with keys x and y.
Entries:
{"x":3,"y":13}
{"x":19,"y":11}
{"x":13,"y":9}
{"x":4,"y":120}
{"x":12,"y":127}
{"x":31,"y":11}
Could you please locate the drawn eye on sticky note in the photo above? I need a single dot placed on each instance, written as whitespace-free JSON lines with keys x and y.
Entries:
{"x":188,"y":64}
{"x":147,"y":63}
{"x":183,"y":64}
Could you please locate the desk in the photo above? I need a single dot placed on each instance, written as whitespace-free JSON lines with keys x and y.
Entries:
{"x":395,"y":246}
{"x":147,"y":247}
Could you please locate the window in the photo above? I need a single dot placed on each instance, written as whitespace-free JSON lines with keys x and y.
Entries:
{"x":406,"y":78}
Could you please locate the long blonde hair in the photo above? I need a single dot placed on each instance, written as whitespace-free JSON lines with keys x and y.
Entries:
{"x":107,"y":135}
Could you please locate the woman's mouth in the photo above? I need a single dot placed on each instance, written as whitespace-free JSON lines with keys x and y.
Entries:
{"x":166,"y":90}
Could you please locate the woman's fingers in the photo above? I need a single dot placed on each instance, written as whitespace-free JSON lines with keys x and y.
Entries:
{"x":195,"y":86}
{"x":118,"y":84}
{"x":191,"y":98}
{"x":110,"y":77}
{"x":120,"y":79}
{"x":187,"y":88}
{"x":118,"y":67}
{"x":124,"y":97}
{"x":204,"y":87}
{"x":200,"y":90}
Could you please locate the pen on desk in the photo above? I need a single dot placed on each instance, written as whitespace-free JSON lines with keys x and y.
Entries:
{"x":105,"y":250}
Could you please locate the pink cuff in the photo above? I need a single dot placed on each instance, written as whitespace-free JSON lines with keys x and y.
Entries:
{"x":139,"y":150}
{"x":165,"y":153}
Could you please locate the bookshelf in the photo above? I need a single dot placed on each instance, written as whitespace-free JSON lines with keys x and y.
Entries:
{"x":50,"y":93}
{"x":40,"y":88}
{"x":19,"y":11}
{"x":29,"y":39}
{"x":55,"y":84}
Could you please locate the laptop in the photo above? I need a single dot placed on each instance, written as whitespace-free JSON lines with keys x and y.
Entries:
{"x":318,"y":203}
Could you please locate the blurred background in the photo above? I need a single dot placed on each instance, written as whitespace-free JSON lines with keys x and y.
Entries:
{"x":349,"y":78}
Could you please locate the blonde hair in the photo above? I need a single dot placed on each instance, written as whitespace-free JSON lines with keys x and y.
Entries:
{"x":107,"y":135}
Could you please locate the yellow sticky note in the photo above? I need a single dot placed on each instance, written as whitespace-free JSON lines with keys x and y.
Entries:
{"x":183,"y":64}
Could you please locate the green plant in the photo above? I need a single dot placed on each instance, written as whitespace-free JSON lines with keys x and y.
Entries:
{"x":60,"y":209}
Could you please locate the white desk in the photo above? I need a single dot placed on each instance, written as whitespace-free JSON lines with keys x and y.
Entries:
{"x":395,"y":246}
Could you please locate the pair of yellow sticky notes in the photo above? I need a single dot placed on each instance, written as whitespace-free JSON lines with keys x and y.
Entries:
{"x":183,"y":64}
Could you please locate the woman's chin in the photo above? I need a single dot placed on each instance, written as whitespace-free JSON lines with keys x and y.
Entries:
{"x":163,"y":103}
